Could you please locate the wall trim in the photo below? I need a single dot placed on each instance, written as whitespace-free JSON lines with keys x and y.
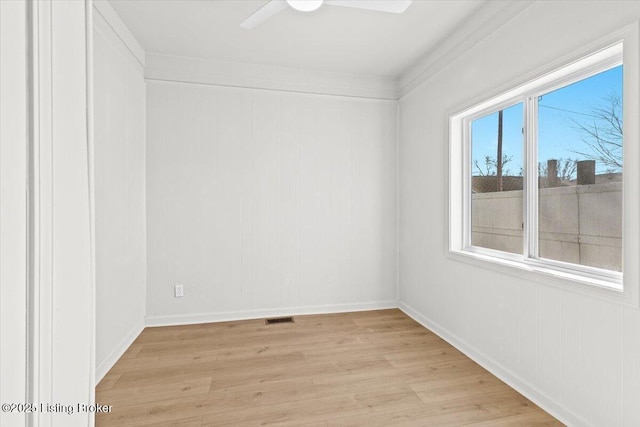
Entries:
{"x":481,"y":24}
{"x":107,"y":18}
{"x":190,"y":319}
{"x":550,"y":405}
{"x":105,"y":365}
{"x":183,"y":69}
{"x":15,"y":219}
{"x":149,"y":81}
{"x":62,"y":305}
{"x":103,"y":31}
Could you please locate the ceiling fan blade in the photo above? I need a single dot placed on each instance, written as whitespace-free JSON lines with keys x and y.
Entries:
{"x":264,"y":13}
{"x":391,"y":6}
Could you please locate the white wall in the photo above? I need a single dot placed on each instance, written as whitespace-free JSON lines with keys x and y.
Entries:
{"x":264,"y":201}
{"x":576,"y":354}
{"x":119,"y":126}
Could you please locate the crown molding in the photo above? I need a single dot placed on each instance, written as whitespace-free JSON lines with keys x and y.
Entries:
{"x":108,"y":24}
{"x":160,"y":67}
{"x":485,"y":21}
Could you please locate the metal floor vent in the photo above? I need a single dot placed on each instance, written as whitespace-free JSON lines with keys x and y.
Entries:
{"x":275,"y":320}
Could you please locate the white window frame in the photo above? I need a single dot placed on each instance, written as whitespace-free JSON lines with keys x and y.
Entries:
{"x":594,"y":59}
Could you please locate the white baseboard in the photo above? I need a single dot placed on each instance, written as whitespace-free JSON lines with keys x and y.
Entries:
{"x":104,"y":366}
{"x":532,"y":393}
{"x":189,"y":319}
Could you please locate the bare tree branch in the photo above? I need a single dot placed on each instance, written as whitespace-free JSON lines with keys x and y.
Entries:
{"x":603,"y":136}
{"x":491,"y":165}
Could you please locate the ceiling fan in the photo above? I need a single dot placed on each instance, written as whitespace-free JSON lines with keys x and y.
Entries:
{"x":275,"y":6}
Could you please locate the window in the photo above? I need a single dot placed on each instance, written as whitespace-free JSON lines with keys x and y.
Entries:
{"x":579,"y":153}
{"x":497,"y":176}
{"x":537,"y":174}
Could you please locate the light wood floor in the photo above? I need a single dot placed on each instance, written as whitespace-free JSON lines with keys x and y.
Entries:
{"x":375,"y":368}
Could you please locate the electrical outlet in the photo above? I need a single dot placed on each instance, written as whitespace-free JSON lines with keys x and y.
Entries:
{"x":179,"y":291}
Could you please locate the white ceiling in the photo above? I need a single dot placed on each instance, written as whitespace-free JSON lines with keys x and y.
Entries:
{"x":337,"y":39}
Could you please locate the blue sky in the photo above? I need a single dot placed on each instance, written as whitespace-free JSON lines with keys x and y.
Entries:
{"x":557,"y":133}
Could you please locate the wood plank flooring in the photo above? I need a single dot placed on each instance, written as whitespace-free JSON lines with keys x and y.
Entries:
{"x":374,"y":368}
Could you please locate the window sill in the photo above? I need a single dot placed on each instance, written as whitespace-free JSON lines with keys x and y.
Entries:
{"x":609,"y":289}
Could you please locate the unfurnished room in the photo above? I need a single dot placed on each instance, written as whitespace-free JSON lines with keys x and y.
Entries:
{"x":319,"y":213}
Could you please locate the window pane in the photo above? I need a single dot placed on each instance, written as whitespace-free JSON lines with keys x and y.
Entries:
{"x":496,"y":199}
{"x":580,"y":172}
